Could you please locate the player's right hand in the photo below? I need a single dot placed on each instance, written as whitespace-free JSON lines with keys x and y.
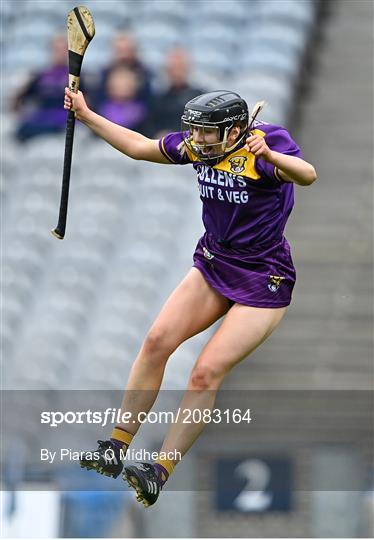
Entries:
{"x":75,"y":102}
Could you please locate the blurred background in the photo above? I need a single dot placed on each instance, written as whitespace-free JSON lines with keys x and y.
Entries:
{"x":74,"y":313}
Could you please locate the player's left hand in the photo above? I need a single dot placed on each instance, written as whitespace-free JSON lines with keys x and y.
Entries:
{"x":258,"y":147}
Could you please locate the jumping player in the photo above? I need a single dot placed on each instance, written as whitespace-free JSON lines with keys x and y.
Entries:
{"x":242,"y":266}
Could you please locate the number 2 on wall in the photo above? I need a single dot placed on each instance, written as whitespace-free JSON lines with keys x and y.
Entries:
{"x":253,"y":497}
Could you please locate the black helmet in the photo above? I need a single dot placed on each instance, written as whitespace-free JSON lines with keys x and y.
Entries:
{"x":219,"y":111}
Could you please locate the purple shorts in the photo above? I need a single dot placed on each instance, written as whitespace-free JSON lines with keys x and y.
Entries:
{"x":254,"y":277}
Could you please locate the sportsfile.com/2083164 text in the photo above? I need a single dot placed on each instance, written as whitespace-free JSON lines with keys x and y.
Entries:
{"x":116,"y":416}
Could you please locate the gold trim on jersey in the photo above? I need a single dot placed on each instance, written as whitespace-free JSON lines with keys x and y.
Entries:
{"x":191,"y":155}
{"x":164,"y":149}
{"x":277,"y":175}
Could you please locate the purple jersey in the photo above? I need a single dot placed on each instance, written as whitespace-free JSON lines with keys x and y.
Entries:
{"x":245,"y":202}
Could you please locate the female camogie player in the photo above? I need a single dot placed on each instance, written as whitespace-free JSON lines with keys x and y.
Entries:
{"x":242,"y":267}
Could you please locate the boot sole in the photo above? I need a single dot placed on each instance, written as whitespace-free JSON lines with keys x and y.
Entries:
{"x":133,"y":482}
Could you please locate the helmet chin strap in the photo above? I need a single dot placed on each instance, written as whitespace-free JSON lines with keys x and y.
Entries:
{"x":231,"y":148}
{"x":224,"y":141}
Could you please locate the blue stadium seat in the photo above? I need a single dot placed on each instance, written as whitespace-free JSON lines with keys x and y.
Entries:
{"x":89,"y":262}
{"x":237,"y":15}
{"x":22,"y":257}
{"x":26,"y":56}
{"x":36,"y":28}
{"x":209,"y":81}
{"x":267,"y":59}
{"x":298,"y":13}
{"x":17,"y":286}
{"x":223,"y":38}
{"x":12,"y":311}
{"x":58,"y":10}
{"x":160,"y":36}
{"x":265,"y":86}
{"x":161,"y":11}
{"x":211,"y":60}
{"x":154,"y":57}
{"x":7,"y":11}
{"x":98,"y":54}
{"x":114,"y":12}
{"x":279,"y":35}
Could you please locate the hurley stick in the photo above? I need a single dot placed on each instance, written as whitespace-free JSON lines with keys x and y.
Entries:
{"x":81,"y":29}
{"x":255,"y":111}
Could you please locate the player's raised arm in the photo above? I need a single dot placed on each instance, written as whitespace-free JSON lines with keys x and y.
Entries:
{"x":289,"y":168}
{"x":125,"y":140}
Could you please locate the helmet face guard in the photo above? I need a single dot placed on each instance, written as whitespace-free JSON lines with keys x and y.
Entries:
{"x":214,"y":146}
{"x":211,"y":117}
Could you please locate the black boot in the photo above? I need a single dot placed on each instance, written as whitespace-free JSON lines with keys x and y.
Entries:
{"x":107,"y":459}
{"x":144,"y":479}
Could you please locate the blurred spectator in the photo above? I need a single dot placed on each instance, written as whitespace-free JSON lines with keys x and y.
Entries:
{"x":125,"y":55}
{"x":167,"y":107}
{"x":122,"y":104}
{"x":39,"y":103}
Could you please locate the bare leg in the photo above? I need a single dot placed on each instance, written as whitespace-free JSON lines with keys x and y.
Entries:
{"x":243,"y":329}
{"x":191,"y":308}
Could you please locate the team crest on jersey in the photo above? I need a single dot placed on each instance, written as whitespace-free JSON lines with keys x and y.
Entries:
{"x":274,"y":283}
{"x":207,"y":254}
{"x":237,"y":164}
